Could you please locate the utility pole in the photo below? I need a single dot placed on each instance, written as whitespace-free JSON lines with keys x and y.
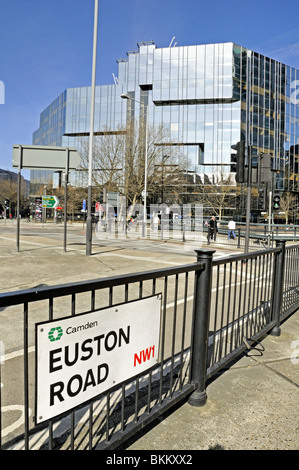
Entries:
{"x":91,"y":132}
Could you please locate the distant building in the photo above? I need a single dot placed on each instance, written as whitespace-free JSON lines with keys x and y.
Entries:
{"x":6,"y":175}
{"x":208,"y":96}
{"x":8,"y":191}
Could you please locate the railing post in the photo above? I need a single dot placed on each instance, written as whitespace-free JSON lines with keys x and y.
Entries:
{"x":199,"y":348}
{"x":278,"y":286}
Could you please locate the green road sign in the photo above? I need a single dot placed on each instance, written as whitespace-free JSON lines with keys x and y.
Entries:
{"x":50,"y":202}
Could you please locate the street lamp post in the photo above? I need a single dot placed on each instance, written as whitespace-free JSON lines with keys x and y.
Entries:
{"x":91,"y":131}
{"x":127,"y":97}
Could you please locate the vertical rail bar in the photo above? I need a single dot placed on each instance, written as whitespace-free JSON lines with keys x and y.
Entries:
{"x":72,"y":443}
{"x":214,"y":350}
{"x":234,"y":307}
{"x":51,"y":421}
{"x":123,"y":393}
{"x":26,"y":377}
{"x":92,"y":300}
{"x":163,"y":338}
{"x":90,"y":424}
{"x":183,"y":329}
{"x":107,"y":415}
{"x":136,"y":399}
{"x":228,"y":307}
{"x":249,"y":309}
{"x":240,"y":303}
{"x":173,"y":333}
{"x":221,"y":330}
{"x":148,"y":410}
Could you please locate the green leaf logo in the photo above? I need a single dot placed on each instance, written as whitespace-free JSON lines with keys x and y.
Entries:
{"x":55,"y":333}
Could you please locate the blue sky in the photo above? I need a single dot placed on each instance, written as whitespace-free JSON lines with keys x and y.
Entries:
{"x":46,"y":45}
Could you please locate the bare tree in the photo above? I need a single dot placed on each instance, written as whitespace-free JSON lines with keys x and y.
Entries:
{"x":289,"y":204}
{"x":217,"y":197}
{"x":119,"y":160}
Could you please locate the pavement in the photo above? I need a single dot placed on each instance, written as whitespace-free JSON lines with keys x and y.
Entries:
{"x":252,"y":405}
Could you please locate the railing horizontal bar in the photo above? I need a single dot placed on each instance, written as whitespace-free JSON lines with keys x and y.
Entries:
{"x":233,"y":258}
{"x":43,"y":293}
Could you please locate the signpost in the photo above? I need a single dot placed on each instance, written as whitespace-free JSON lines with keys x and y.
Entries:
{"x":47,"y":158}
{"x":50,"y":202}
{"x":81,"y":356}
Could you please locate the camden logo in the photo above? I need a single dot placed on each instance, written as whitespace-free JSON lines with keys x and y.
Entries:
{"x":2,"y":92}
{"x":295,"y":94}
{"x":55,"y":333}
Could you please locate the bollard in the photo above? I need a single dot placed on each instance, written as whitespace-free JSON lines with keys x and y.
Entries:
{"x":202,"y":301}
{"x":278,"y":286}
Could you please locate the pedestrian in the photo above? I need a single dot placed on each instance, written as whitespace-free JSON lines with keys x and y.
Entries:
{"x":213,"y":228}
{"x":156,"y":222}
{"x":231,"y":229}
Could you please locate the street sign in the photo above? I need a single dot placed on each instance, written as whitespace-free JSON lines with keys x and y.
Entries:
{"x":45,"y":157}
{"x":50,"y":202}
{"x":48,"y":158}
{"x":81,"y":356}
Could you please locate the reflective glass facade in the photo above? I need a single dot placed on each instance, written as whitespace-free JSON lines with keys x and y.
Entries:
{"x":207,"y":96}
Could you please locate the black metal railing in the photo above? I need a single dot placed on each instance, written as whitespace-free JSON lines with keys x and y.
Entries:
{"x":242,"y":304}
{"x":290,"y":289}
{"x":111,"y":414}
{"x":212,"y":311}
{"x":259,"y":236}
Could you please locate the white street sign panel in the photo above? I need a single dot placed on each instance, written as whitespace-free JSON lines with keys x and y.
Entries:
{"x":45,"y":156}
{"x":81,"y":356}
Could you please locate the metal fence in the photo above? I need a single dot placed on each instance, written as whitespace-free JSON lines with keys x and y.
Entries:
{"x":212,"y":311}
{"x":260,"y":235}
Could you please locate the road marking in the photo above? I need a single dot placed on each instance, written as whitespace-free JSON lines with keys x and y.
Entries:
{"x":24,"y":241}
{"x":19,"y":422}
{"x":140,"y":258}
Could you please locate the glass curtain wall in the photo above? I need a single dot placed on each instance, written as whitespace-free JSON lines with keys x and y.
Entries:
{"x":269,"y":112}
{"x":207,"y":97}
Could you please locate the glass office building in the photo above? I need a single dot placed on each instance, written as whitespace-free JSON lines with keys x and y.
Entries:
{"x":208,"y":97}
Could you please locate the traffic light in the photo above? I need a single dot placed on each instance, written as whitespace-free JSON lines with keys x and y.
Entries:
{"x":262,"y":199}
{"x":264,"y":168}
{"x":276,"y":202}
{"x":233,"y":162}
{"x":6,"y":208}
{"x":103,"y":196}
{"x":241,"y":176}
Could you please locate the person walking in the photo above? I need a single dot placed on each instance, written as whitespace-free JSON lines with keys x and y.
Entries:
{"x":213,"y":228}
{"x":231,"y":229}
{"x":156,"y":222}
